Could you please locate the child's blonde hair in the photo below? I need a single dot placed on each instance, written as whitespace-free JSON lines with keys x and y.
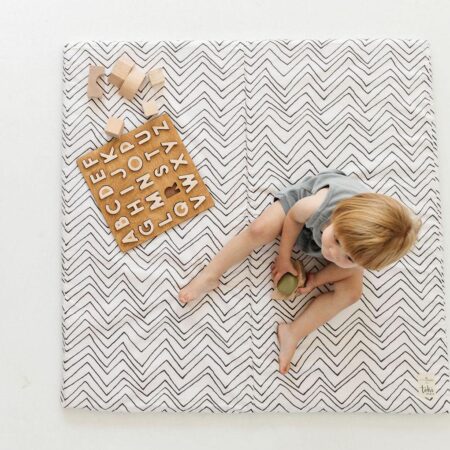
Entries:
{"x":375,"y":229}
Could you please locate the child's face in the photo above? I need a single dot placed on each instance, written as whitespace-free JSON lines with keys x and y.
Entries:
{"x":333,"y":251}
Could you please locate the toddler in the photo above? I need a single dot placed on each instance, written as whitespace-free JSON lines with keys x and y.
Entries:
{"x":329,"y":215}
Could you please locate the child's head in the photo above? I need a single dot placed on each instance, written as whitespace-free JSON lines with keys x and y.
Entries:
{"x":375,"y":230}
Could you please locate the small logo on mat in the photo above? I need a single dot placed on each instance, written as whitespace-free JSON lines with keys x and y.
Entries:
{"x":426,"y":385}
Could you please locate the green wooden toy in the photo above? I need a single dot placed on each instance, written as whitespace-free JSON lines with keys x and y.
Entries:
{"x":287,"y":283}
{"x":286,"y":288}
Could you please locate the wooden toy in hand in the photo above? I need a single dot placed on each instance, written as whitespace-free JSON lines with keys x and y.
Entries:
{"x":288,"y":283}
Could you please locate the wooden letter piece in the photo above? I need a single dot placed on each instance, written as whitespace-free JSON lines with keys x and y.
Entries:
{"x":114,"y":127}
{"x":94,"y":90}
{"x":120,"y":70}
{"x":156,"y":76}
{"x":181,"y":209}
{"x":132,"y":83}
{"x":121,"y":223}
{"x":130,"y":238}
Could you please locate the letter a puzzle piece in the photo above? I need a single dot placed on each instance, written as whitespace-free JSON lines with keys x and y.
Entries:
{"x":145,"y":182}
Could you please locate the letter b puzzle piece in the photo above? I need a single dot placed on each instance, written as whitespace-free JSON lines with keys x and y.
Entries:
{"x":145,"y":182}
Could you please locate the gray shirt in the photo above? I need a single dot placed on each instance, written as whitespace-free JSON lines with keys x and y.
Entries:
{"x":341,"y":186}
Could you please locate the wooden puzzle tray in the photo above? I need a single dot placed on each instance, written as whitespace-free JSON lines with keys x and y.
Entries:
{"x":145,"y":182}
{"x":251,"y":117}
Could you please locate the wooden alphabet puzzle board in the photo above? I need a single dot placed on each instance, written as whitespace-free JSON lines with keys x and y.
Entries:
{"x":145,"y":182}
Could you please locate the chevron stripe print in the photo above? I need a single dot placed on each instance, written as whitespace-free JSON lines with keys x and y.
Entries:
{"x":255,"y":116}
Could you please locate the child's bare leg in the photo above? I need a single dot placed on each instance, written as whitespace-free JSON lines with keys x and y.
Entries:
{"x":319,"y":311}
{"x":259,"y":232}
{"x":329,"y":274}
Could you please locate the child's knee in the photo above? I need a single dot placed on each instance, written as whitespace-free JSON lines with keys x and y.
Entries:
{"x":350,"y":289}
{"x":259,"y":231}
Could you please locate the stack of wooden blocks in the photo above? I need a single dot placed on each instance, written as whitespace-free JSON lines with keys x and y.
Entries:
{"x":129,"y":78}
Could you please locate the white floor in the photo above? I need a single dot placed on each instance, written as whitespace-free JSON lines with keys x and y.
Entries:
{"x":31,"y":38}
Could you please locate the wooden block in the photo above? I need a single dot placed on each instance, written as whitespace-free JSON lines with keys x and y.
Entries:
{"x":156,"y":76}
{"x":114,"y":127}
{"x":120,"y":70}
{"x":94,"y":90}
{"x":145,"y":182}
{"x":150,"y":108}
{"x":277,"y":295}
{"x":132,"y":83}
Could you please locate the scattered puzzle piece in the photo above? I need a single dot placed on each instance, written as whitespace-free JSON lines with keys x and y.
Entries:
{"x":156,"y":76}
{"x":120,"y":70}
{"x":114,"y":127}
{"x":94,"y":90}
{"x":145,"y":182}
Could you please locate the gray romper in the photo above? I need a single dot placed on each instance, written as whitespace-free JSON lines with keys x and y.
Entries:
{"x":341,"y":186}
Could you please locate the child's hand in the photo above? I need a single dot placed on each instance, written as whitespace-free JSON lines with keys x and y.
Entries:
{"x":310,"y":284}
{"x":280,"y":267}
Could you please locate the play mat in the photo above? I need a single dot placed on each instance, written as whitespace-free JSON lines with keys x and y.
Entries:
{"x":254,"y":117}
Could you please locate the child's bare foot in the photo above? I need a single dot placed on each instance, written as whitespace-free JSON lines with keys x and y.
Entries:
{"x":198,"y":287}
{"x":288,"y":345}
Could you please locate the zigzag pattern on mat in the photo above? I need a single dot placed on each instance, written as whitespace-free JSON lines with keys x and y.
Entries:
{"x":254,"y":116}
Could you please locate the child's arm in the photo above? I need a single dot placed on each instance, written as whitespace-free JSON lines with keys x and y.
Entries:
{"x":291,"y":229}
{"x":292,"y":226}
{"x":293,"y":223}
